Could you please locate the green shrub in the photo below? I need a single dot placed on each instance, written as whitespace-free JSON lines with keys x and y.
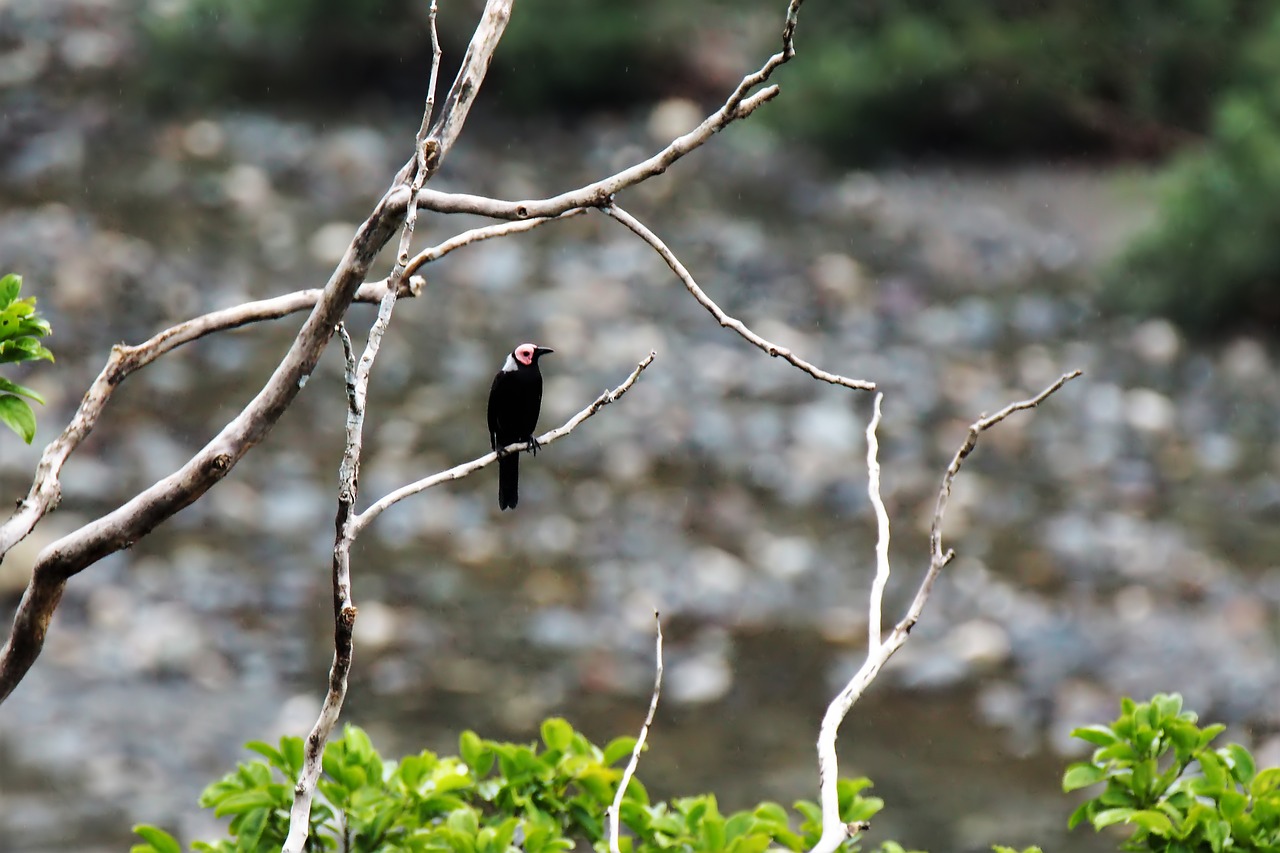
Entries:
{"x":1142,"y":759}
{"x":549,"y":796}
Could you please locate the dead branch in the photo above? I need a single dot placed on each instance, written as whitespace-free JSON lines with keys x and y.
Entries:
{"x":140,"y":515}
{"x":640,"y":230}
{"x":615,"y":810}
{"x":739,"y":105}
{"x":357,"y":384}
{"x":834,"y":831}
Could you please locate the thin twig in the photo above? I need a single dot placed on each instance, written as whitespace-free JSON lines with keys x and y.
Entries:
{"x":722,"y":318}
{"x":615,"y":810}
{"x":834,"y":831}
{"x":361,"y":521}
{"x":125,"y":525}
{"x":462,"y":94}
{"x":343,"y":609}
{"x":740,"y":104}
{"x":357,"y":384}
{"x":876,"y":607}
{"x":46,"y":488}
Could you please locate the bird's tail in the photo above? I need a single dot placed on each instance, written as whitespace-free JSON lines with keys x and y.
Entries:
{"x":509,"y":481}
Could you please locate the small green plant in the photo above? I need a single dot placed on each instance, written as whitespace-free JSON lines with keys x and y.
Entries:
{"x":1143,"y":760}
{"x":493,"y":797}
{"x":21,"y":329}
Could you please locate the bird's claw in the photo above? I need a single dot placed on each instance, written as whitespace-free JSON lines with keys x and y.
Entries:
{"x":533,"y":445}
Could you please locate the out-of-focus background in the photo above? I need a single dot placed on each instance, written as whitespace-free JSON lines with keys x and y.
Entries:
{"x":957,"y":200}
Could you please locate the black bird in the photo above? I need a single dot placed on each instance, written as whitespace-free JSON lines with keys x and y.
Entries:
{"x":515,"y":399}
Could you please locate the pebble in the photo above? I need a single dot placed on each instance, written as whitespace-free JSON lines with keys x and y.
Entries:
{"x":1157,"y":342}
{"x":1149,"y":411}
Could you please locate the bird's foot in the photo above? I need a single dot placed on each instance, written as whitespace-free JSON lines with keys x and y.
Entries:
{"x":533,"y":445}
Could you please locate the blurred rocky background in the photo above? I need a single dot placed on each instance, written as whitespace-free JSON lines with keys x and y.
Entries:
{"x":957,"y":201}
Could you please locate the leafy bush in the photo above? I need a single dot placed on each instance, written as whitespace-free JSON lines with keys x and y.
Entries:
{"x":492,"y":797}
{"x":20,"y":331}
{"x":1143,"y":759}
{"x":1212,"y":262}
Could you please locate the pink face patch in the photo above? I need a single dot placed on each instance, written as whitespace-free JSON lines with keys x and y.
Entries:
{"x":524,"y":354}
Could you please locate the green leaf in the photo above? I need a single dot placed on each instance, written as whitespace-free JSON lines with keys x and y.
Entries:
{"x":1242,"y":767}
{"x":244,"y":802}
{"x":267,"y":751}
{"x":1214,"y":770}
{"x":739,"y":824}
{"x":1265,"y":782}
{"x":557,"y":734}
{"x":16,"y":414}
{"x":1208,"y":733}
{"x":618,"y":748}
{"x":162,"y":841}
{"x":1082,"y":775}
{"x":23,"y":349}
{"x":292,"y":750}
{"x":1109,"y":817}
{"x":251,"y":829}
{"x":10,"y":287}
{"x":1080,"y":814}
{"x":15,"y":388}
{"x":1152,"y":821}
{"x":1097,"y":735}
{"x":471,"y":748}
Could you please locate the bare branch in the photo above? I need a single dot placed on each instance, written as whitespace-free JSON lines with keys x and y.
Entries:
{"x":344,"y":611}
{"x":739,"y":105}
{"x":46,"y":488}
{"x":361,"y":521}
{"x":125,"y":525}
{"x":834,"y":831}
{"x":433,"y":81}
{"x":615,"y":810}
{"x":722,"y":318}
{"x":357,"y":383}
{"x":876,"y":608}
{"x":145,"y":511}
{"x":462,"y":94}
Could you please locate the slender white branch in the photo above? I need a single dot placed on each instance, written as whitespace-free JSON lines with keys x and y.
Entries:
{"x":775,"y":350}
{"x":361,"y":521}
{"x":357,"y":384}
{"x":615,"y":810}
{"x":344,"y":611}
{"x":834,"y":831}
{"x":876,"y":608}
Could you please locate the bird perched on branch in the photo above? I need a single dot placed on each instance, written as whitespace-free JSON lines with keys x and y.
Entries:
{"x":515,"y":399}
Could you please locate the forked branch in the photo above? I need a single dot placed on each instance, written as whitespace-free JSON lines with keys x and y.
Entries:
{"x":834,"y":831}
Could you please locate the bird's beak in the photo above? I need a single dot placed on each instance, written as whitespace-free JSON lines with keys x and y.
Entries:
{"x":538,"y":352}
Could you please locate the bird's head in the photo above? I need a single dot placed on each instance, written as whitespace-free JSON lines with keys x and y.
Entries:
{"x":527,"y":354}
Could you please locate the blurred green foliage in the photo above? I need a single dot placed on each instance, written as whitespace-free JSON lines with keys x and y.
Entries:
{"x":1212,"y":260}
{"x":874,"y":79}
{"x":1009,"y":76}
